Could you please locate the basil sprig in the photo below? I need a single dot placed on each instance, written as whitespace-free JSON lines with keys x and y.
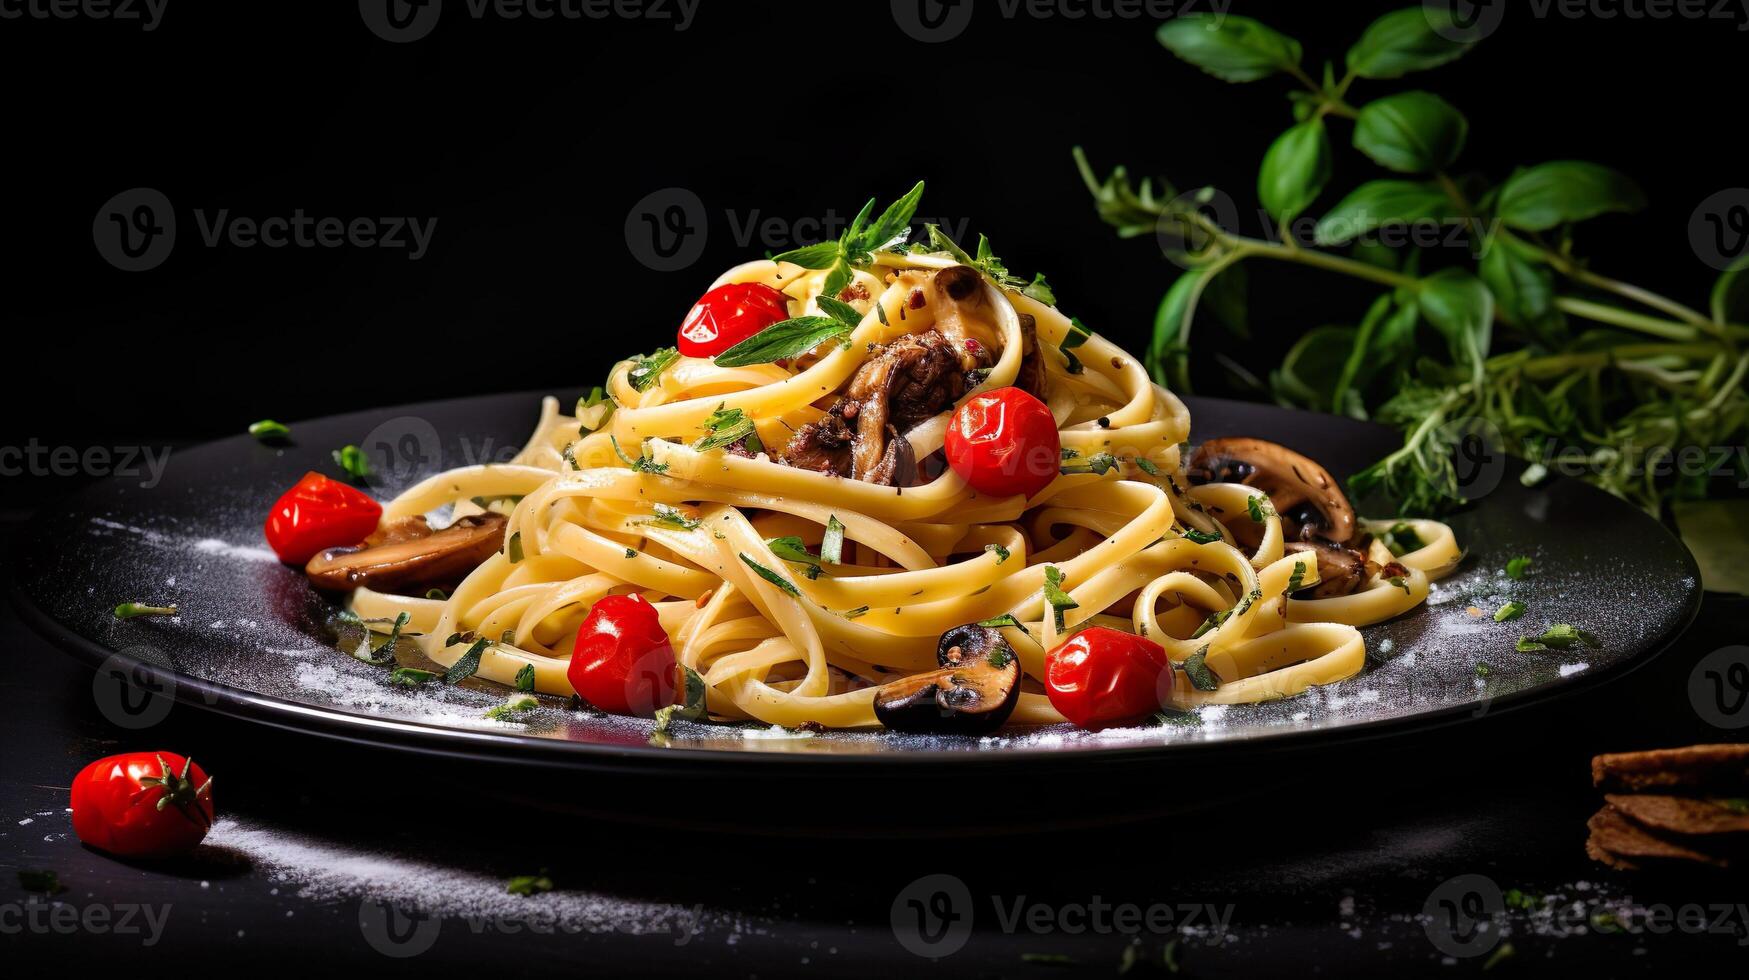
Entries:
{"x":781,"y":341}
{"x":856,"y":246}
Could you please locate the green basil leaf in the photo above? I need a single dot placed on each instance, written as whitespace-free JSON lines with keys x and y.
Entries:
{"x":269,"y":431}
{"x":839,"y":310}
{"x":1462,"y":309}
{"x":1196,"y":670}
{"x":1295,"y":170}
{"x":1230,"y":47}
{"x":646,"y":371}
{"x":893,"y":224}
{"x":837,"y":279}
{"x":1404,"y":41}
{"x":1565,"y":191}
{"x":1379,"y":203}
{"x":468,"y":664}
{"x":525,"y":679}
{"x":791,"y":338}
{"x":1168,"y":357}
{"x":1523,"y":287}
{"x":783,"y":584}
{"x":821,"y":256}
{"x":1411,"y":132}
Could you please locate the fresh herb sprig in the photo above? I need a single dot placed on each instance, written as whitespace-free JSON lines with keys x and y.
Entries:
{"x":1650,"y":376}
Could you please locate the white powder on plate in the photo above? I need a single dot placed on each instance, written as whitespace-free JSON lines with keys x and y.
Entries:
{"x":321,"y":870}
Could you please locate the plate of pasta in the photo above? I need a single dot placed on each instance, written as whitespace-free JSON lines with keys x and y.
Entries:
{"x":877,"y":498}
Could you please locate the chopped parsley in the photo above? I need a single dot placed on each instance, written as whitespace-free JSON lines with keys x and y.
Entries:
{"x":1060,"y":601}
{"x":353,"y":460}
{"x":1560,"y":636}
{"x":1201,"y":537}
{"x":1401,"y":582}
{"x":1146,"y":465}
{"x":642,"y":464}
{"x":383,"y":655}
{"x":832,"y":546}
{"x":526,"y":885}
{"x":793,"y":549}
{"x":1100,"y":463}
{"x":693,"y":707}
{"x":1196,"y":670}
{"x":674,"y":518}
{"x":1510,"y":611}
{"x":437,"y":595}
{"x":267,"y":430}
{"x":129,"y":610}
{"x":1402,"y":539}
{"x":1297,"y":580}
{"x":410,"y":676}
{"x":646,"y":371}
{"x":1000,"y":552}
{"x":727,"y":427}
{"x":593,"y":411}
{"x":468,"y":664}
{"x":1074,"y":337}
{"x":1259,"y":508}
{"x":525,"y":679}
{"x":1516,"y":568}
{"x":1004,"y":620}
{"x":570,"y":455}
{"x":783,"y":584}
{"x":508,"y":711}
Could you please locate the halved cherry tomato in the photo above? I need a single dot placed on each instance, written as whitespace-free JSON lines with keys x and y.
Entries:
{"x":1004,"y":442}
{"x":319,"y":513}
{"x":623,"y":662}
{"x":1101,"y":676}
{"x":727,"y":315}
{"x":142,"y":804}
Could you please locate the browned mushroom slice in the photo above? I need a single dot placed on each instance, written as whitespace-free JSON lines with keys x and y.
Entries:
{"x":1031,"y":378}
{"x":1340,"y":570}
{"x":974,"y":692}
{"x":1310,"y":502}
{"x":400,"y":559}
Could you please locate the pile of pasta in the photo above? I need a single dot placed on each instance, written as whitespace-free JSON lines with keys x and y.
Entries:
{"x":584,"y":524}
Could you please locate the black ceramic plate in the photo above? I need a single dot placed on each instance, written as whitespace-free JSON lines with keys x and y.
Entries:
{"x":253,"y":640}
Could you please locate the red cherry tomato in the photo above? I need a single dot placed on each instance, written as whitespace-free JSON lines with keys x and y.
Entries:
{"x":142,"y":804}
{"x":727,"y":315}
{"x":1004,"y":442}
{"x":623,"y":662}
{"x":319,"y":513}
{"x":1100,"y":676}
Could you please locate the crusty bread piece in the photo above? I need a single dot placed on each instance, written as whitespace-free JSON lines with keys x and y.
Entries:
{"x":1618,"y":837}
{"x":1722,"y":769}
{"x":1680,"y":814}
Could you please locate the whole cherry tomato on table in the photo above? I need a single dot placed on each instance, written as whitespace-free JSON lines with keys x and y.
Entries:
{"x":319,"y":513}
{"x":729,"y":314}
{"x":1101,"y":676}
{"x":142,"y":804}
{"x":623,"y":661}
{"x":1004,"y":442}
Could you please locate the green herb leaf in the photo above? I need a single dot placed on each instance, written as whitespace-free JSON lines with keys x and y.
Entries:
{"x":780,"y":341}
{"x":839,"y":310}
{"x":513,"y":548}
{"x":783,"y":584}
{"x":1295,"y":170}
{"x":1510,"y":611}
{"x":1040,"y":290}
{"x":1523,"y":286}
{"x":674,"y":518}
{"x":832,"y":547}
{"x":511,"y":709}
{"x":352,"y":460}
{"x":1402,"y":539}
{"x":267,"y":430}
{"x":1411,"y":132}
{"x":823,"y":255}
{"x":691,"y":709}
{"x":1060,"y":601}
{"x":1005,"y":620}
{"x":1000,"y":552}
{"x":525,"y":679}
{"x":40,"y":882}
{"x":1074,"y":337}
{"x":792,"y":549}
{"x":1409,"y":40}
{"x":526,"y":885}
{"x":468,"y":664}
{"x":1259,"y":509}
{"x":1560,"y":636}
{"x":593,"y":410}
{"x":1196,"y":670}
{"x":1200,"y":537}
{"x":894,"y":224}
{"x":642,"y":464}
{"x":129,"y":610}
{"x":1383,"y":203}
{"x":727,"y":427}
{"x":1296,"y":581}
{"x":1229,"y":47}
{"x":1516,"y":568}
{"x":1562,"y":192}
{"x":646,"y":371}
{"x":1460,"y":307}
{"x":383,"y":655}
{"x":1098,"y":463}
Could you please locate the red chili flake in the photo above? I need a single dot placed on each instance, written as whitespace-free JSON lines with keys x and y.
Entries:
{"x":972,"y":346}
{"x":917,"y":299}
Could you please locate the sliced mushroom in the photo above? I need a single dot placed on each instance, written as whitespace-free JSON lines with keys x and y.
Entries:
{"x":974,"y":692}
{"x":1310,"y":502}
{"x":409,"y":555}
{"x":1340,"y":570}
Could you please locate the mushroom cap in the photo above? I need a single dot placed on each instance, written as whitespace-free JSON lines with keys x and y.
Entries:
{"x":974,"y":692}
{"x":1292,"y":481}
{"x":410,"y":555}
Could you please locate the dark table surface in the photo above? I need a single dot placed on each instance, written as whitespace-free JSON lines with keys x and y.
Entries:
{"x":1350,"y":861}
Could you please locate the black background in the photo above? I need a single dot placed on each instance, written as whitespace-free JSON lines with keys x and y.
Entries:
{"x":531,"y":141}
